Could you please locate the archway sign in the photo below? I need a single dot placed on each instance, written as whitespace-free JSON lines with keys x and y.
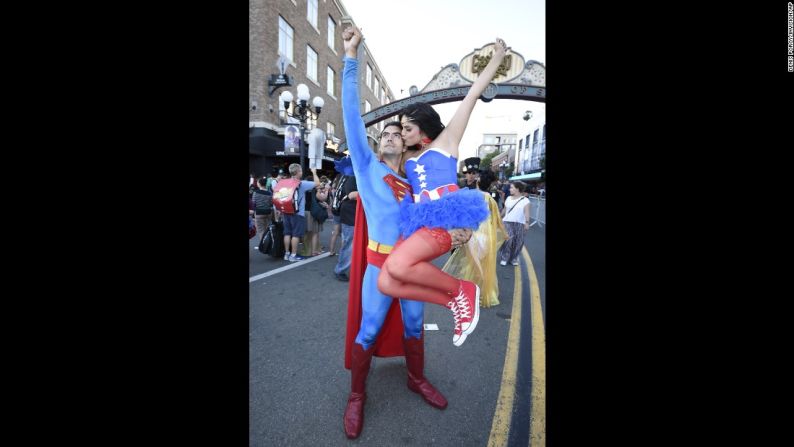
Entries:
{"x":515,"y":79}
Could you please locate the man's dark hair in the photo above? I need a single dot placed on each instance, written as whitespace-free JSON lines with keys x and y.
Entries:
{"x":393,"y":123}
{"x":487,"y":177}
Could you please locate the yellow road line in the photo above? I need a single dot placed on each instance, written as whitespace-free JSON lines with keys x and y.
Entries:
{"x":500,"y":427}
{"x":537,"y":418}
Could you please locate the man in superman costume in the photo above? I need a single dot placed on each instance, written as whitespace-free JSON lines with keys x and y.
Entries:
{"x":378,"y":324}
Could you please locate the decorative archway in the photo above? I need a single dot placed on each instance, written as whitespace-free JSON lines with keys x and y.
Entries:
{"x":515,"y":79}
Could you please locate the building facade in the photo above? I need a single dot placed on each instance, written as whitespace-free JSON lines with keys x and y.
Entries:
{"x":532,"y":146}
{"x":303,"y":37}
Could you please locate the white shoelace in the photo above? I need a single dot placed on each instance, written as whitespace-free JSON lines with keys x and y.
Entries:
{"x":463,"y":305}
{"x":455,"y":316}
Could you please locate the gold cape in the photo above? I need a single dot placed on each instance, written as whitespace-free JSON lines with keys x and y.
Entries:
{"x":476,"y":261}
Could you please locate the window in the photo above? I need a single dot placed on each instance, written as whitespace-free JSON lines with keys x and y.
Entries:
{"x":284,"y":38}
{"x":383,"y":95}
{"x":369,"y":76}
{"x":376,"y":88}
{"x":367,"y":107}
{"x":311,"y":63}
{"x":329,"y":130}
{"x":331,"y":33}
{"x":331,"y":79}
{"x":311,"y":12}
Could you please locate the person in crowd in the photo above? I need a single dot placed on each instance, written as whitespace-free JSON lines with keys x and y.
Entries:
{"x":471,"y":167}
{"x":295,"y":224}
{"x":345,"y":201}
{"x":273,"y":179}
{"x":314,"y":223}
{"x":335,"y":197}
{"x":476,"y":260}
{"x":263,"y":206}
{"x":515,"y":216}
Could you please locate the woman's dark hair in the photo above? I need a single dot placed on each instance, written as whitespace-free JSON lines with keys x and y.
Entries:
{"x":520,"y":186}
{"x":487,"y":177}
{"x":425,"y":117}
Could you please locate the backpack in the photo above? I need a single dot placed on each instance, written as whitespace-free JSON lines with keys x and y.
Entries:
{"x":336,"y":203}
{"x":285,"y":195}
{"x":318,"y":212}
{"x":263,"y":203}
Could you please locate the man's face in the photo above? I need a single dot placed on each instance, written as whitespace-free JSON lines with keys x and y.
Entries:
{"x":470,"y":177}
{"x":391,"y":141}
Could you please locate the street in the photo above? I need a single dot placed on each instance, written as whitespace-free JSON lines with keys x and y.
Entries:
{"x":298,"y":386}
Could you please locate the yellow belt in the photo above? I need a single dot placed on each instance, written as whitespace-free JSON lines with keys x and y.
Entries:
{"x":377,"y":247}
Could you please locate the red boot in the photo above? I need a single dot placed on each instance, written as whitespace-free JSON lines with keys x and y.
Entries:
{"x":415,"y":361}
{"x":354,"y":412}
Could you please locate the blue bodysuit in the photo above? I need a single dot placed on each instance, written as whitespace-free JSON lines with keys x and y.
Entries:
{"x":383,"y":215}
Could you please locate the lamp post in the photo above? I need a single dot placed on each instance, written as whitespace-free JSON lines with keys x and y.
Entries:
{"x":301,"y":113}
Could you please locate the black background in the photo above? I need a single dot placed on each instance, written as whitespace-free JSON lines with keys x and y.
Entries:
{"x":664,"y":126}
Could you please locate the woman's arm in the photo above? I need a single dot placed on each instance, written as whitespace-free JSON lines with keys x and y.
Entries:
{"x":450,"y":137}
{"x":526,"y":215}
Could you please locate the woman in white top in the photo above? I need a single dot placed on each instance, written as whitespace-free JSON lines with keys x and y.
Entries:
{"x":515,"y":216}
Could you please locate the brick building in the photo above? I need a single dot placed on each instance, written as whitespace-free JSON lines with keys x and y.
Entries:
{"x":309,"y":34}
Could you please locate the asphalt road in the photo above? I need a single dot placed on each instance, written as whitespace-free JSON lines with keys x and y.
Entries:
{"x":298,"y":386}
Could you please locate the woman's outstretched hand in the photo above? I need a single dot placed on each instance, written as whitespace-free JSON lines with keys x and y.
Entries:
{"x":500,"y":48}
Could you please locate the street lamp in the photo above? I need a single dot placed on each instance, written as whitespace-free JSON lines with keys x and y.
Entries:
{"x":301,"y":113}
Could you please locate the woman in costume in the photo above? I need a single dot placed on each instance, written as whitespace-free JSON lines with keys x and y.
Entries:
{"x":476,"y":260}
{"x":437,"y":205}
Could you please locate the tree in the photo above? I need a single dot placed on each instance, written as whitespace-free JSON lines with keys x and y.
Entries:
{"x":485,"y":163}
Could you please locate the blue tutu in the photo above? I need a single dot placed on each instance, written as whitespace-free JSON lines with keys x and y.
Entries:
{"x":465,"y":208}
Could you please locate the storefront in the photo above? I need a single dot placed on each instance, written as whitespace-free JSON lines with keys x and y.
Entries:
{"x":266,"y":154}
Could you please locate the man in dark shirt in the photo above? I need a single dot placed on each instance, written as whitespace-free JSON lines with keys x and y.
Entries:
{"x":347,"y":214}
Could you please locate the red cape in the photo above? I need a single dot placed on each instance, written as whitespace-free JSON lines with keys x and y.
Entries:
{"x":389,"y":341}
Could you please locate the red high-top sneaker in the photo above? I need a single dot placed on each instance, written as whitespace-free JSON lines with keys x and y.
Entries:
{"x":465,"y":310}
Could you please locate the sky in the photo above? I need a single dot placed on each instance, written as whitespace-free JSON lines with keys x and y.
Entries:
{"x":411,"y":40}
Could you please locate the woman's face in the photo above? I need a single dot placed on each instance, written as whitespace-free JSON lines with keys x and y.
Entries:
{"x":411,"y":132}
{"x":513,"y":190}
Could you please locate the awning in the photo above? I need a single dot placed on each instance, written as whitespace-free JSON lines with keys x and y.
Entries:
{"x":532,"y":176}
{"x":264,"y":142}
